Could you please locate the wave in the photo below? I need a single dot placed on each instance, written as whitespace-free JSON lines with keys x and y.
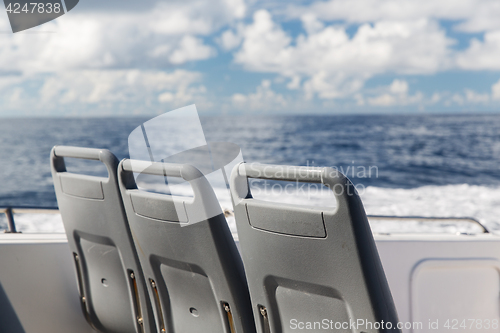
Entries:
{"x":475,"y":201}
{"x":464,"y":200}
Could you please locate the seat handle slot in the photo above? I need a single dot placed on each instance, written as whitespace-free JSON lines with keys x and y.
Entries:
{"x":137,"y":301}
{"x":264,"y":319}
{"x":81,"y":289}
{"x":229,"y":317}
{"x":161,"y":320}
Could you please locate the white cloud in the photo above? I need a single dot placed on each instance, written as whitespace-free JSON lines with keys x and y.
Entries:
{"x":468,"y":97}
{"x":482,"y":16}
{"x":332,"y":64}
{"x":311,"y":23}
{"x":263,"y":99}
{"x":472,"y":15}
{"x":165,"y":33}
{"x":436,"y":97}
{"x":474,"y":97}
{"x":396,"y":94}
{"x":482,"y":55}
{"x":495,"y":91}
{"x":457,"y":99}
{"x":231,"y":38}
{"x":91,"y":86}
{"x":294,"y":83}
{"x":193,"y":16}
{"x":383,"y":100}
{"x":399,"y":87}
{"x":191,"y":48}
{"x":108,"y":56}
{"x":101,"y":91}
{"x":265,"y":47}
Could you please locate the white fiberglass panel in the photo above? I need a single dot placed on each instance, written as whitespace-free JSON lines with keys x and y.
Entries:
{"x":456,"y":295}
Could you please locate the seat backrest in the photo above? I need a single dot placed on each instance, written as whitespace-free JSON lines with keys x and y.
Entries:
{"x":188,"y":255}
{"x":309,"y":265}
{"x":112,"y":288}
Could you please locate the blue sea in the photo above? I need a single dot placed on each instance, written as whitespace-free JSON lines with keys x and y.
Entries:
{"x":425,"y":165}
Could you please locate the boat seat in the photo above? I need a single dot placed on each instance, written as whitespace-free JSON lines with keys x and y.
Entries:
{"x":189,"y":258}
{"x":310,"y":268}
{"x":112,"y":289}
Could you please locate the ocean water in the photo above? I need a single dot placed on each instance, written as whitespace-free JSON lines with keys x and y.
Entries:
{"x":418,"y":165}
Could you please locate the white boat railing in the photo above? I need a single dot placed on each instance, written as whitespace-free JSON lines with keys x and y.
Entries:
{"x":10,"y":211}
{"x":429,"y":219}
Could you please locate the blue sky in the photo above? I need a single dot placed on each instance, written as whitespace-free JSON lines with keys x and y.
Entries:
{"x":255,"y":57}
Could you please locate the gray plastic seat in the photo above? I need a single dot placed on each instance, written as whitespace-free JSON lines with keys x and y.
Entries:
{"x":309,"y":264}
{"x":192,"y":265}
{"x":112,"y":288}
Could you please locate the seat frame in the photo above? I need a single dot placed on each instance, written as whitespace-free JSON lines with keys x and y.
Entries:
{"x":112,"y":288}
{"x":189,"y":258}
{"x":307,"y":263}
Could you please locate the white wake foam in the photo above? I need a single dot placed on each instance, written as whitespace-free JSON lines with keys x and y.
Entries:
{"x":479,"y":202}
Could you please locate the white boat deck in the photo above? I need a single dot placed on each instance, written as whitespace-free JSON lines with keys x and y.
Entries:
{"x":434,"y":278}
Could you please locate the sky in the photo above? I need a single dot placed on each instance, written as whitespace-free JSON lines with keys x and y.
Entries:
{"x":117,"y":58}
